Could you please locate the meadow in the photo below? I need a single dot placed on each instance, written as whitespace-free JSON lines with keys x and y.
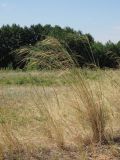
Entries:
{"x":70,"y":114}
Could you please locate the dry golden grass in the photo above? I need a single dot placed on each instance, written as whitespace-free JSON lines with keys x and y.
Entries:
{"x":78,"y":120}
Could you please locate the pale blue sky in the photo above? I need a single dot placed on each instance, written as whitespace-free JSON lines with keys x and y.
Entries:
{"x":101,"y":18}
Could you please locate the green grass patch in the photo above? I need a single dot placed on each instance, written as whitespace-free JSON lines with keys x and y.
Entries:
{"x":46,"y":78}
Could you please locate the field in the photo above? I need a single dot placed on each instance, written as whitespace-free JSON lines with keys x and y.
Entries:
{"x":71,"y":114}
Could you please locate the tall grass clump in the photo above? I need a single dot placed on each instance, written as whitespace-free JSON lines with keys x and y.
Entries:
{"x":93,"y":102}
{"x":92,"y":105}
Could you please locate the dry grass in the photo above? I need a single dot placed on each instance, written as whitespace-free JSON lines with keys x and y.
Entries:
{"x":65,"y":121}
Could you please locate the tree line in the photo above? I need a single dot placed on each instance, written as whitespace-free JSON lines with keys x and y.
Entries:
{"x":82,"y":47}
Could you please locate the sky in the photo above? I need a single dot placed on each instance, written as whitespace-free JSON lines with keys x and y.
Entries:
{"x":100,"y":18}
